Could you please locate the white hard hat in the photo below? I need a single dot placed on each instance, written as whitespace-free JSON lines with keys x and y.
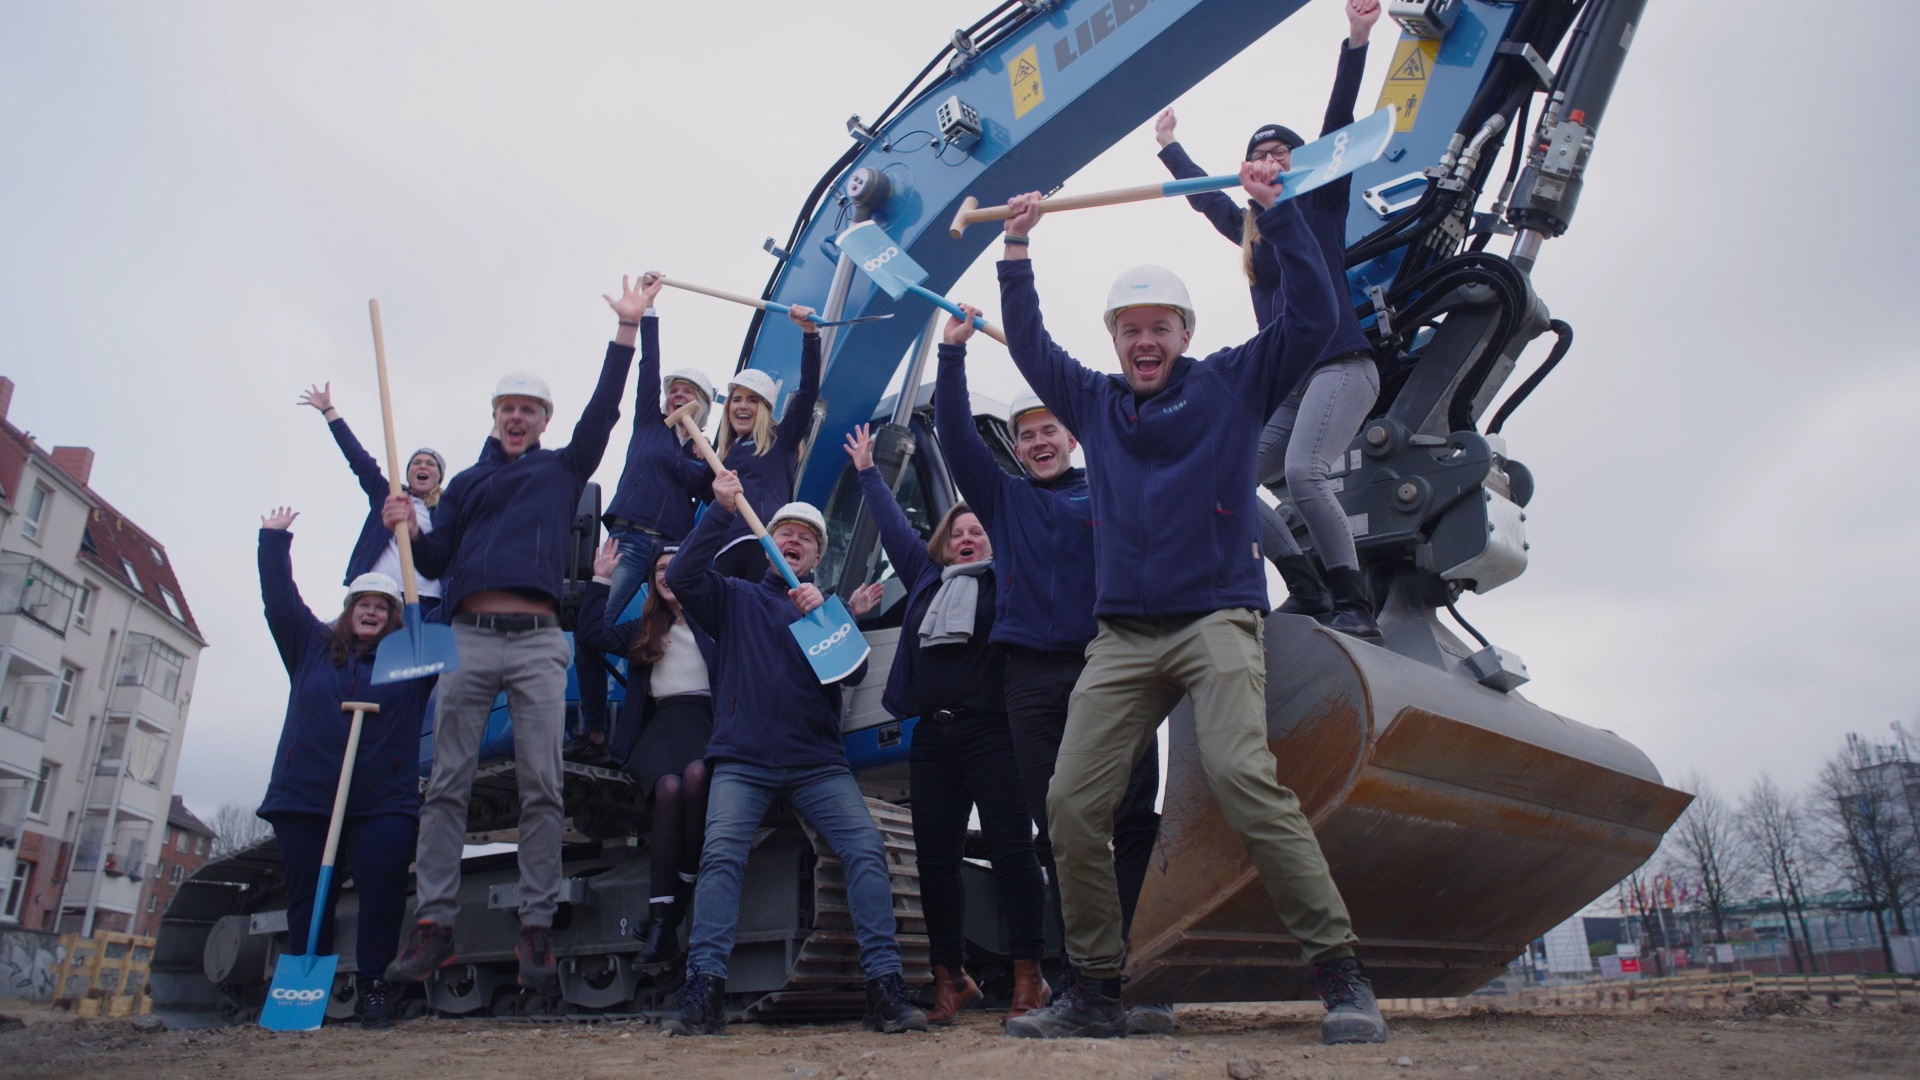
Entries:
{"x":806,"y":514}
{"x":521,"y":384}
{"x":1148,"y":286}
{"x":371,"y":582}
{"x":758,"y":382}
{"x":697,"y":379}
{"x":1024,"y":404}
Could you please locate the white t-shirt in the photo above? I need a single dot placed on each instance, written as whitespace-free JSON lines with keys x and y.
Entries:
{"x":682,"y":670}
{"x":389,"y":561}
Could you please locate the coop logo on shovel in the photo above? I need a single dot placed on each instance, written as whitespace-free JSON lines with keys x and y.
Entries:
{"x":879,"y":260}
{"x":302,"y":996}
{"x":831,"y":640}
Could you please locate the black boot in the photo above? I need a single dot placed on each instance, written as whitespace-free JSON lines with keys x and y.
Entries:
{"x":702,"y":1007}
{"x":888,"y":1009}
{"x":1353,"y":1016}
{"x":1352,"y":611}
{"x":661,"y":934}
{"x":1306,"y":594}
{"x":375,"y":999}
{"x":1084,"y":1009}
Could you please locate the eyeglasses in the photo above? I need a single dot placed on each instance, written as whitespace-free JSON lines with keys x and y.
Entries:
{"x":1278,"y":153}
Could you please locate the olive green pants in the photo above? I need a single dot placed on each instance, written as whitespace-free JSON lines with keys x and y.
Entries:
{"x":1137,"y":671}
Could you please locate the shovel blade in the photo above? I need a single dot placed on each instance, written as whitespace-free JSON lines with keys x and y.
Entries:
{"x":878,"y":257}
{"x":418,"y":649}
{"x":1339,"y":153}
{"x":834,"y":646}
{"x":297,"y":1000}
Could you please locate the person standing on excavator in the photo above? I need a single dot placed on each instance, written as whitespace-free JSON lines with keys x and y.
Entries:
{"x":1170,"y":455}
{"x":1041,"y":525}
{"x":498,"y":541}
{"x":1310,"y":431}
{"x":765,"y":454}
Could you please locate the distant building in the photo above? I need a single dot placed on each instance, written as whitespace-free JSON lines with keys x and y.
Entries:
{"x":187,"y":847}
{"x":98,"y":652}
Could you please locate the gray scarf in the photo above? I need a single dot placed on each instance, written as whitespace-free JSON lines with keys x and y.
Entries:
{"x":950,"y":617}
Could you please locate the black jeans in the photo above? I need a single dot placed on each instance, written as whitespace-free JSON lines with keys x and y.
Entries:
{"x":375,"y":852}
{"x":955,"y":765}
{"x":1039,"y":685}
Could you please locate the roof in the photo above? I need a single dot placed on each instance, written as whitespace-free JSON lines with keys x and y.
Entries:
{"x":180,"y":817}
{"x":111,"y":542}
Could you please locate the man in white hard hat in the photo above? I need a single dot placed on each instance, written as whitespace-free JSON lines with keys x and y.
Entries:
{"x":776,"y":733}
{"x":1180,"y":591}
{"x":499,"y":546}
{"x":651,"y":507}
{"x":1042,"y":527}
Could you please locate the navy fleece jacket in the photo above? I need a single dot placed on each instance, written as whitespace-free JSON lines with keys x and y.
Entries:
{"x":374,"y":536}
{"x":956,"y":676}
{"x":504,"y":523}
{"x":596,"y":631}
{"x":313,"y":738}
{"x":661,"y":479}
{"x":1042,"y":531}
{"x":1325,"y":209}
{"x":1176,"y":530}
{"x":769,"y":708}
{"x":767,"y":479}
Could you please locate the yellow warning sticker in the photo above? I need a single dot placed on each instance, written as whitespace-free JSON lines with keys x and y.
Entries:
{"x":1023,"y":75}
{"x":1406,"y":81}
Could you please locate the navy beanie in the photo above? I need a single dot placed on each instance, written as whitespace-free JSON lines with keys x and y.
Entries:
{"x":1270,"y":132}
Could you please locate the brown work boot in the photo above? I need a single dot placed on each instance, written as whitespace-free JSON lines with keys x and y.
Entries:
{"x":534,"y":951}
{"x":951,"y":993}
{"x":1030,"y":989}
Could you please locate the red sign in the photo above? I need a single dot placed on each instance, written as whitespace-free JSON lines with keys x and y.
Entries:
{"x":1629,"y":964}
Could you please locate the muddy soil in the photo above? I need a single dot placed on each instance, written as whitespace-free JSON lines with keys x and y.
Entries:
{"x":1210,"y":1043}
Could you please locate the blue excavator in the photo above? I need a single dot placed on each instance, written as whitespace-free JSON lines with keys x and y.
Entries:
{"x":1460,"y":820}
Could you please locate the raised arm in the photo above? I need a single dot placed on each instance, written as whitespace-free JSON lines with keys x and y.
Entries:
{"x":1062,"y":382}
{"x":975,"y":470}
{"x":905,"y":548}
{"x":1223,"y":212}
{"x":364,"y":467}
{"x":703,"y":593}
{"x":646,"y":380}
{"x":289,"y":619}
{"x":1267,"y":367}
{"x":1361,"y":15}
{"x":799,"y":415}
{"x":590,"y":433}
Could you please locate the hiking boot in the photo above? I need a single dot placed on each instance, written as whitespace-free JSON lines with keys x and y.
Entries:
{"x":1085,"y":1009}
{"x":1352,"y":611}
{"x":375,"y":1002}
{"x":582,"y":750}
{"x":1030,"y":989}
{"x":952,"y":991}
{"x":534,"y":951}
{"x":1306,"y":593}
{"x":1352,"y":1014}
{"x":888,"y":1009}
{"x":1150,"y":1020}
{"x":701,"y":1006}
{"x":428,"y":949}
{"x":660,"y":935}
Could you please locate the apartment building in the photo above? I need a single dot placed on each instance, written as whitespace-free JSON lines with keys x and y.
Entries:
{"x":98,"y":651}
{"x":187,"y":846}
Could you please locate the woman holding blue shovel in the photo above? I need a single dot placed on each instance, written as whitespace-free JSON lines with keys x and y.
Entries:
{"x":329,"y":663}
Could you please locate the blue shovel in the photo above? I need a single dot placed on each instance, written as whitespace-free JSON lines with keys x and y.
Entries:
{"x":895,"y":272}
{"x":297,"y":1000}
{"x":834,"y":646}
{"x":418,"y":649}
{"x":1316,"y":164}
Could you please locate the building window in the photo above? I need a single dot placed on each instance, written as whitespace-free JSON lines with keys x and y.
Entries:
{"x":145,"y":755}
{"x":17,"y":889}
{"x":63,"y":698}
{"x":34,"y":589}
{"x":180,"y":840}
{"x":37,"y":802}
{"x":83,"y":605}
{"x":158,"y":558}
{"x":173,"y":606}
{"x":151,"y":663}
{"x":200,"y":845}
{"x":37,"y":502}
{"x":153,"y":902}
{"x":178,"y":873}
{"x":131,"y":576}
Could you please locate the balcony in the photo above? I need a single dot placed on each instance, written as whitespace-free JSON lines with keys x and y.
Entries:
{"x":33,"y":592}
{"x":140,"y":800}
{"x":118,"y":892}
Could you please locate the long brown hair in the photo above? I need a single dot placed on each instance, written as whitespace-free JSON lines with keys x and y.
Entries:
{"x":943,"y":532}
{"x":1249,"y":237}
{"x":762,"y":433}
{"x":345,"y":643}
{"x":656,"y":621}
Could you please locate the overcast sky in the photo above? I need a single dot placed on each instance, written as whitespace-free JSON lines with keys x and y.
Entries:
{"x":198,"y":199}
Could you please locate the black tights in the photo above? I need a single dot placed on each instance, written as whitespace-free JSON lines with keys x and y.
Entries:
{"x":679,"y":828}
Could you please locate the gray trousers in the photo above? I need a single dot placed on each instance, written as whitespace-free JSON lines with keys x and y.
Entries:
{"x":531,"y":666}
{"x":1302,"y":440}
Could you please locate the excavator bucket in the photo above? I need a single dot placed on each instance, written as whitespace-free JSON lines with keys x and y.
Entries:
{"x":1460,"y":823}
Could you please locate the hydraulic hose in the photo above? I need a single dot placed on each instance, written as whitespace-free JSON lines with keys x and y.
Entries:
{"x":1563,"y":340}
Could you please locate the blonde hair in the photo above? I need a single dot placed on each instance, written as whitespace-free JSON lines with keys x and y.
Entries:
{"x":762,"y":426}
{"x":1249,"y":236}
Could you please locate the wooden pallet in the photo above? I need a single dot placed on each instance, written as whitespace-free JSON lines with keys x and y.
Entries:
{"x":103,"y":975}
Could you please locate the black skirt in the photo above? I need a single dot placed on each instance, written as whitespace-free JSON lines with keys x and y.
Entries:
{"x":676,"y":734}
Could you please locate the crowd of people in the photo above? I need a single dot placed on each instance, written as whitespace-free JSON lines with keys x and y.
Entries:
{"x":1050,"y":622}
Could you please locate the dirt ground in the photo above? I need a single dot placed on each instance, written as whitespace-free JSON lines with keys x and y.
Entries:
{"x":1210,"y":1042}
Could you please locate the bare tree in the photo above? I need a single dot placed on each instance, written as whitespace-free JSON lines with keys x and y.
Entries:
{"x":1869,"y":833}
{"x":1707,"y":843}
{"x":235,"y":828}
{"x":1772,"y":824}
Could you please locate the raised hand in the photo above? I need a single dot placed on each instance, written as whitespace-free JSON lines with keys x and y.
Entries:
{"x":806,"y":597}
{"x":1025,"y":213}
{"x":802,"y":316}
{"x":320,"y":397}
{"x":634,"y":299}
{"x":1361,"y":15}
{"x":607,"y":558}
{"x":1163,"y":124}
{"x":958,"y":330}
{"x":864,"y":598}
{"x":860,"y":447}
{"x":726,"y":490}
{"x":281,"y":517}
{"x":651,"y":283}
{"x":1257,"y":179}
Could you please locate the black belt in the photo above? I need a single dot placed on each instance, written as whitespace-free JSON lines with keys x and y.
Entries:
{"x":629,"y":524}
{"x":948,"y":716}
{"x":506,"y":624}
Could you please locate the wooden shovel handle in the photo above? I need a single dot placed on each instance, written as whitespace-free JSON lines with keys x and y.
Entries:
{"x":682,"y":418}
{"x":971,"y":210}
{"x":718,"y":294}
{"x":402,"y":534}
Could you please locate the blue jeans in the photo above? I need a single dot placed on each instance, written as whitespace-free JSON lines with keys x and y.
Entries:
{"x":830,"y":800}
{"x":637,"y":550}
